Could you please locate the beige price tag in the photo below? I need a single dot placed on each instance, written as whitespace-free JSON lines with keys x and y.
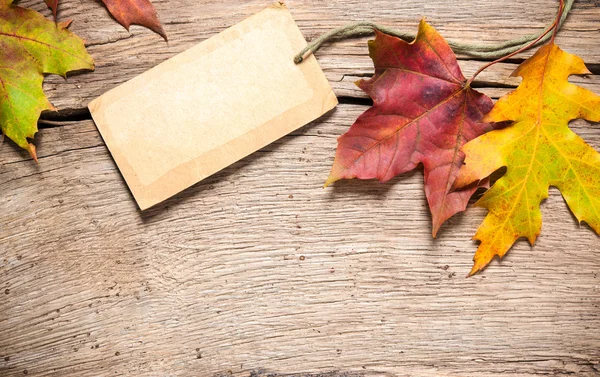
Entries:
{"x":212,"y":105}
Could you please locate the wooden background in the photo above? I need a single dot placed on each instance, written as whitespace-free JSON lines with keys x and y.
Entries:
{"x":258,"y":270}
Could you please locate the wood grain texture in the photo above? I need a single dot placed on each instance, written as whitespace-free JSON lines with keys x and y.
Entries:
{"x":258,"y":270}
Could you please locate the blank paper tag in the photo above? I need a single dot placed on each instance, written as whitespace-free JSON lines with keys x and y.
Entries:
{"x":211,"y":105}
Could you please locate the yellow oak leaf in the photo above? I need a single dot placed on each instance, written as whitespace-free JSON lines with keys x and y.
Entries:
{"x":539,"y":150}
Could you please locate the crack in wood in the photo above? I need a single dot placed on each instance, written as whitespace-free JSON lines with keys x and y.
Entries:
{"x":50,"y":119}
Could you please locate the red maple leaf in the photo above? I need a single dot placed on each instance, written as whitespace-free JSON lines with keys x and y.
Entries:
{"x":423,"y":112}
{"x":127,"y":13}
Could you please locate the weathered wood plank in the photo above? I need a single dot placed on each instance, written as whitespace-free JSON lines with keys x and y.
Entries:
{"x":121,"y":56}
{"x":258,"y":269}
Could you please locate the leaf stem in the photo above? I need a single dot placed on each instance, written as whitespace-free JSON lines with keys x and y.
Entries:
{"x":560,"y":12}
{"x":553,"y":28}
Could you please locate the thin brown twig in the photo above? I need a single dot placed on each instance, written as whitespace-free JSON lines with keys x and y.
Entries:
{"x":560,"y":11}
{"x":552,"y":27}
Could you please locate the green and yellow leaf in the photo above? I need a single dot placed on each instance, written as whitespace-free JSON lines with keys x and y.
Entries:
{"x":31,"y":46}
{"x":539,"y":150}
